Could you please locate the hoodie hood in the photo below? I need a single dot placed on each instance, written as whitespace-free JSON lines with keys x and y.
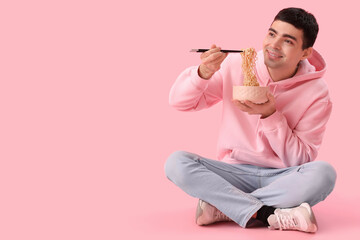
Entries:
{"x":312,"y":68}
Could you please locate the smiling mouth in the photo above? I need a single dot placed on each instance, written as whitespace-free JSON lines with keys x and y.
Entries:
{"x":273,"y":54}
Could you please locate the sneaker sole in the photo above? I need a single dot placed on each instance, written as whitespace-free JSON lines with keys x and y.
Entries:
{"x":312,"y":217}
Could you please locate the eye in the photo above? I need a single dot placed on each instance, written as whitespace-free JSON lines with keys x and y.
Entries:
{"x":289,"y":41}
{"x":271,"y":34}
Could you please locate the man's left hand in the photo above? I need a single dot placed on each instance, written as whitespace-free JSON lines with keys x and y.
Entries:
{"x":265,"y":109}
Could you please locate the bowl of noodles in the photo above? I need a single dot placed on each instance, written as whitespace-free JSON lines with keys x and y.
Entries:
{"x":255,"y":94}
{"x":251,"y":90}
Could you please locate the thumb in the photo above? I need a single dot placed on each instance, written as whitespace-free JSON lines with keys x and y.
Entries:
{"x":270,"y":97}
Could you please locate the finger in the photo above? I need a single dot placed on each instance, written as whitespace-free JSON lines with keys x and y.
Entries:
{"x":214,"y":58}
{"x":270,"y":97}
{"x":215,"y":64}
{"x":212,"y":50}
{"x":250,"y":104}
{"x":221,"y":57}
{"x":242,"y":106}
{"x":252,"y":107}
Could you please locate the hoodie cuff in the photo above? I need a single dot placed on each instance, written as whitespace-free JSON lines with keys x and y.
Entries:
{"x":197,"y":81}
{"x":273,"y":122}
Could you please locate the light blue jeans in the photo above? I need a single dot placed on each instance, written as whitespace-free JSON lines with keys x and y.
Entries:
{"x":240,"y":190}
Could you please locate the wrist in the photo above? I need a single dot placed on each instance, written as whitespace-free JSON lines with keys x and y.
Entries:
{"x":204,"y":73}
{"x":268,"y":114}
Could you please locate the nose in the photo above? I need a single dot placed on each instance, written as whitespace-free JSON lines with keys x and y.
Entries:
{"x":275,"y":43}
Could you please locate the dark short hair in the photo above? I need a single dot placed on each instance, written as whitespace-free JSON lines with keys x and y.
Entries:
{"x":303,"y":20}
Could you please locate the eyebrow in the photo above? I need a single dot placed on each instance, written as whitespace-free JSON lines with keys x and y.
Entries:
{"x":284,"y":35}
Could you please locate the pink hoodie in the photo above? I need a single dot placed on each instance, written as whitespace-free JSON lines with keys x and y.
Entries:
{"x":289,"y":137}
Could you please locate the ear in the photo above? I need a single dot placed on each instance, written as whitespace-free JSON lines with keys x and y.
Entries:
{"x":307,"y":53}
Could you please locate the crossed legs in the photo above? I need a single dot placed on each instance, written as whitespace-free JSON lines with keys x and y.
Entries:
{"x":239,"y":191}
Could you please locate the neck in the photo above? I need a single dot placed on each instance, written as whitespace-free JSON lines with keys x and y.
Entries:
{"x":281,"y":74}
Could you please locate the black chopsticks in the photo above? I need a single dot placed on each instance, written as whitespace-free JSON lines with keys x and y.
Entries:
{"x":222,"y":50}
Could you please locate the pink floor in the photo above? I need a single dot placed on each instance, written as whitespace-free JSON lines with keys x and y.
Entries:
{"x":337,"y":218}
{"x":162,"y":211}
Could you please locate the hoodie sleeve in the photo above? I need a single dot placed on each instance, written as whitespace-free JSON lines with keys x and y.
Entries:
{"x":190,"y":92}
{"x":301,"y":144}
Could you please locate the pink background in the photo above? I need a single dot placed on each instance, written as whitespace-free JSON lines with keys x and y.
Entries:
{"x":85,"y":126}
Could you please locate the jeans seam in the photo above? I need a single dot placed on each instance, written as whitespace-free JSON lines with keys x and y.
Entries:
{"x":242,"y":172}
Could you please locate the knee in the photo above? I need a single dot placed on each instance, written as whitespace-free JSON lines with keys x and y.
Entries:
{"x":175,"y":164}
{"x":325,"y":174}
{"x":321,"y":181}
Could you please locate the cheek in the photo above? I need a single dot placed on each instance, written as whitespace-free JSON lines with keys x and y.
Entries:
{"x":265,"y":42}
{"x":289,"y":52}
{"x":293,"y":57}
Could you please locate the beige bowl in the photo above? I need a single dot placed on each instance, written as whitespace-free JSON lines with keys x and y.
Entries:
{"x":251,"y":93}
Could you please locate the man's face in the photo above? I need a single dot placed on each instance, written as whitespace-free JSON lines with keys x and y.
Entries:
{"x":282,"y":46}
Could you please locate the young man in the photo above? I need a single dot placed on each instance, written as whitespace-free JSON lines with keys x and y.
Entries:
{"x":266,"y":170}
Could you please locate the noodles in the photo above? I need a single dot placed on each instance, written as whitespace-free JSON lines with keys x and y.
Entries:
{"x":248,"y":67}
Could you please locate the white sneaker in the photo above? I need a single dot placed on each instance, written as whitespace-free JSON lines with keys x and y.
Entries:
{"x":207,"y":214}
{"x":300,"y":218}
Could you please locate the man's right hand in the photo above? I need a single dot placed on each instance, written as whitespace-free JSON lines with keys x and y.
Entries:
{"x":210,"y":62}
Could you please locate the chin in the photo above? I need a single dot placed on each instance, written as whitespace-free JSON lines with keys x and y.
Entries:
{"x":269,"y":64}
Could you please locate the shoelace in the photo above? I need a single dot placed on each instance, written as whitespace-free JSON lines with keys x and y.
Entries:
{"x":286,"y":220}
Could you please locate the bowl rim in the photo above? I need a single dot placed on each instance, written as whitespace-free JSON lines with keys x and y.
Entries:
{"x":251,"y":86}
